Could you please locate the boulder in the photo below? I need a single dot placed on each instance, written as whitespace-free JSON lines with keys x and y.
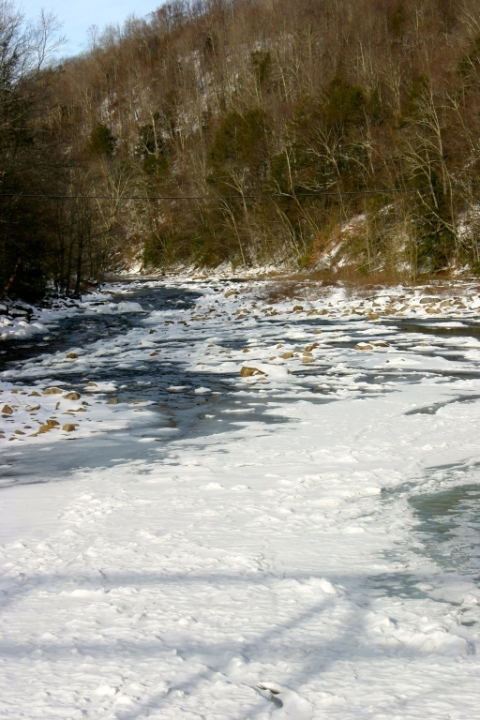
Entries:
{"x":428,"y":300}
{"x":249,"y":371}
{"x":69,"y":427}
{"x":53,"y":391}
{"x":44,"y":429}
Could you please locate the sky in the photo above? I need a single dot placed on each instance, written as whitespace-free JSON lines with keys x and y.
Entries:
{"x":78,"y":16}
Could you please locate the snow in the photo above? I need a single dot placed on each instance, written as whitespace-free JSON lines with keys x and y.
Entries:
{"x":249,"y":546}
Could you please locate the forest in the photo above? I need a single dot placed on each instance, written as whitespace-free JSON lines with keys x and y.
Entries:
{"x":332,"y":135}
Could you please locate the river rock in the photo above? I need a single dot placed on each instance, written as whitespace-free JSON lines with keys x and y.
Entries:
{"x":113,"y":401}
{"x":428,"y":300}
{"x":311,"y":347}
{"x":286,"y":355}
{"x":35,"y":394}
{"x":363,"y":346}
{"x":44,"y":429}
{"x":70,"y":427}
{"x":32,"y":408}
{"x":52,"y":423}
{"x":308,"y":359}
{"x":297,"y":308}
{"x":7,"y":410}
{"x":72,"y":396}
{"x":53,"y":391}
{"x":249,"y":371}
{"x":71,"y":356}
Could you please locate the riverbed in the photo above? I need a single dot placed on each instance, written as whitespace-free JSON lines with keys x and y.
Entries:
{"x":268,"y":505}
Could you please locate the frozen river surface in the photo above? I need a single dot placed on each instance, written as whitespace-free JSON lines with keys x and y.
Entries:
{"x":231,"y":501}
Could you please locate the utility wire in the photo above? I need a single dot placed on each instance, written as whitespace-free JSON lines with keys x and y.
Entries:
{"x":324,"y":193}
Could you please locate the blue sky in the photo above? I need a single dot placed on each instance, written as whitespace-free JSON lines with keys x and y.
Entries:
{"x":78,"y":16}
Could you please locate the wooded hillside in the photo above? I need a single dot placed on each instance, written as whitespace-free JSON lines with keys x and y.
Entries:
{"x":311,"y":131}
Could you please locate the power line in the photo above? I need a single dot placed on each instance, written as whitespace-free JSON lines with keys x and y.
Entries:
{"x":322,"y":193}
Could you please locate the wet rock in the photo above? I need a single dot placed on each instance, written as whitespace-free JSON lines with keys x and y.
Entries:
{"x":113,"y":401}
{"x":151,"y":332}
{"x":364,"y":346}
{"x":155,"y":353}
{"x":53,"y":391}
{"x":250,"y":371}
{"x":286,"y":355}
{"x":71,"y":356}
{"x":70,"y":427}
{"x":382,"y":344}
{"x":7,"y":410}
{"x":91,"y":384}
{"x":246,"y":350}
{"x":72,"y":396}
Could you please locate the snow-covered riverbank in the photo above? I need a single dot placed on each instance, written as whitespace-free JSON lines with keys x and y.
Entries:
{"x":295,"y":540}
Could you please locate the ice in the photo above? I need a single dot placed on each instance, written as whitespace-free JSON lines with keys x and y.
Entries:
{"x":204,"y":544}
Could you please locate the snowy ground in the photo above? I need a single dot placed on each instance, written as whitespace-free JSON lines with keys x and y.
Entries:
{"x":298,"y":539}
